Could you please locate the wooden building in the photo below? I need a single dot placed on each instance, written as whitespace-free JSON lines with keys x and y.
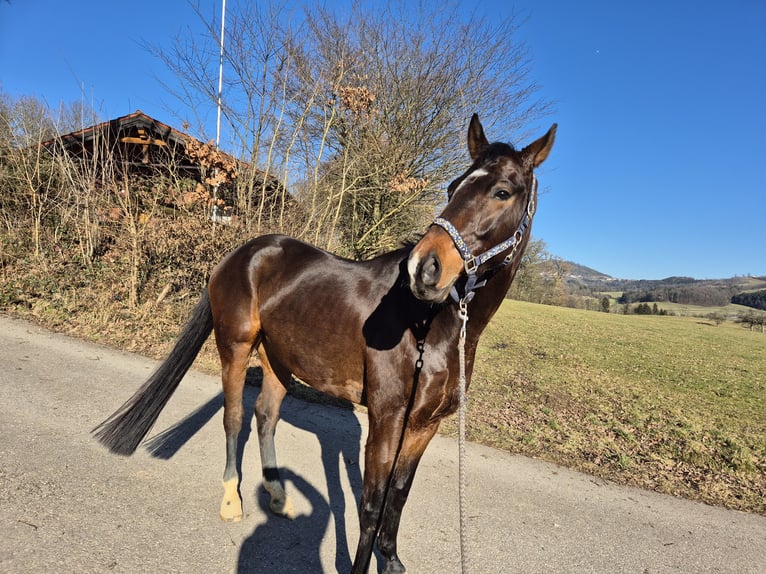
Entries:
{"x":139,"y":145}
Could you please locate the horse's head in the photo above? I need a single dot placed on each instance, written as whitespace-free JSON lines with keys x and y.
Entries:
{"x":486,"y":208}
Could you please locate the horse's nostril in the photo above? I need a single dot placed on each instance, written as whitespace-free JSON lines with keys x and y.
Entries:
{"x":430,"y":270}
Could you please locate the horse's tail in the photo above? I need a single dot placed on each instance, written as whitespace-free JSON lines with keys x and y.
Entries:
{"x":126,"y":428}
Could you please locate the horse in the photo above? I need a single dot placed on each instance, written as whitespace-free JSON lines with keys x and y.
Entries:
{"x":381,"y":333}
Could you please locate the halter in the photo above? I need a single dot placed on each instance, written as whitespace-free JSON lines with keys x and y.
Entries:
{"x":473,"y":262}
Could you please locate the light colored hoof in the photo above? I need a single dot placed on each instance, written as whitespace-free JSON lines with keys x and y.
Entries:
{"x":231,"y":505}
{"x":231,"y":511}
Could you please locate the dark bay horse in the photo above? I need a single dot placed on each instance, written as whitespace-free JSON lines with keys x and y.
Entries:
{"x":382,"y":333}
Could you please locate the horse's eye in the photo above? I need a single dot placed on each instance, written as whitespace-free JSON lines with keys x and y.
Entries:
{"x":502,"y":194}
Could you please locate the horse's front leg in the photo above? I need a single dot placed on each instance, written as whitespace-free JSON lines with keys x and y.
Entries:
{"x":413,"y":446}
{"x":380,"y":451}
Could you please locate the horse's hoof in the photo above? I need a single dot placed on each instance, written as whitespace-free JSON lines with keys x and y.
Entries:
{"x":232,"y":517}
{"x":231,"y":505}
{"x":394,"y":566}
{"x":279,"y":503}
{"x":282,"y":507}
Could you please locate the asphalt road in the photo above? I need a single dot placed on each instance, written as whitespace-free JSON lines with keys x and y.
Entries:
{"x":67,"y":505}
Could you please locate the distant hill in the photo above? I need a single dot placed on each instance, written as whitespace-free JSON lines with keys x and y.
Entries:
{"x":706,"y":292}
{"x":586,"y":273}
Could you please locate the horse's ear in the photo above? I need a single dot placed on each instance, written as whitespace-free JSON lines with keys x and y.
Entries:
{"x":537,"y":152}
{"x":477,"y":141}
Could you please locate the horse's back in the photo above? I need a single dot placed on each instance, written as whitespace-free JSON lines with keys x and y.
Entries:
{"x":307,"y":307}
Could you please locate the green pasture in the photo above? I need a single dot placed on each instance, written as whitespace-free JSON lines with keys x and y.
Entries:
{"x":730,"y":311}
{"x":674,"y":404}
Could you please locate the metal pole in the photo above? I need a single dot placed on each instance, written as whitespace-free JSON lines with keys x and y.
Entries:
{"x":218,"y":119}
{"x":220,"y":78}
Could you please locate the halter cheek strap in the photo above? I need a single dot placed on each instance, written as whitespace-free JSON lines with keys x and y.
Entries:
{"x":473,"y":262}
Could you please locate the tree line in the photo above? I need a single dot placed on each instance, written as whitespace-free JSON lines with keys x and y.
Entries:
{"x":754,"y":299}
{"x":703,"y":295}
{"x":753,"y":320}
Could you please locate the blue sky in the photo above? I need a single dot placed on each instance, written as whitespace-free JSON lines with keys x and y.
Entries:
{"x":661,"y":105}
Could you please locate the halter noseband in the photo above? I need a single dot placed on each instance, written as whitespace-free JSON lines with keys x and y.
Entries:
{"x":473,"y":262}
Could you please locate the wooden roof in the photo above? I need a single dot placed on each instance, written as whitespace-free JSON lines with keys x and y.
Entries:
{"x":137,"y":128}
{"x":142,"y":143}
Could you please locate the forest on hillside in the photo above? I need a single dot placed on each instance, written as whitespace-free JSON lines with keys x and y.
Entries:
{"x":754,"y":299}
{"x":704,"y":295}
{"x":743,"y":290}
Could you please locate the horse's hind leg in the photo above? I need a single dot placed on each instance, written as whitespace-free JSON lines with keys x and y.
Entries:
{"x":234,"y":360}
{"x":273,"y":390}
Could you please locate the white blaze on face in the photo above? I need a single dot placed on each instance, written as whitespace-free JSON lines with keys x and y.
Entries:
{"x":473,"y":176}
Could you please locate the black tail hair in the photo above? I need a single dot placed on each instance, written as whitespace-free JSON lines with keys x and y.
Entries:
{"x":126,"y":428}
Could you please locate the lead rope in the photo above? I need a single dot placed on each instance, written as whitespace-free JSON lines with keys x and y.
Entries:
{"x":463,"y":315}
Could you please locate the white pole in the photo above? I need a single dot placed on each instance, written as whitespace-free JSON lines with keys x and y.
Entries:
{"x":218,"y":119}
{"x":220,"y":78}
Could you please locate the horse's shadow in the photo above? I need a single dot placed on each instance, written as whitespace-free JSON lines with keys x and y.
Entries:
{"x":278,"y":544}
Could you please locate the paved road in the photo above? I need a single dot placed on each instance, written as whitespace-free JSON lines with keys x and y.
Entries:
{"x":66,"y":505}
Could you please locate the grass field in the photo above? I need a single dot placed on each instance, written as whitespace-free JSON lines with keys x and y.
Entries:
{"x":673,"y":404}
{"x":729,"y":311}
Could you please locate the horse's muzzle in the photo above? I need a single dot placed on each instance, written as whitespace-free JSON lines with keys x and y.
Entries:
{"x":434,"y":265}
{"x":425,"y":277}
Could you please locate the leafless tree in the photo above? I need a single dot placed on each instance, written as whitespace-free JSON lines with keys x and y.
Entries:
{"x":360,"y":113}
{"x":32,"y":185}
{"x":541,"y":277}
